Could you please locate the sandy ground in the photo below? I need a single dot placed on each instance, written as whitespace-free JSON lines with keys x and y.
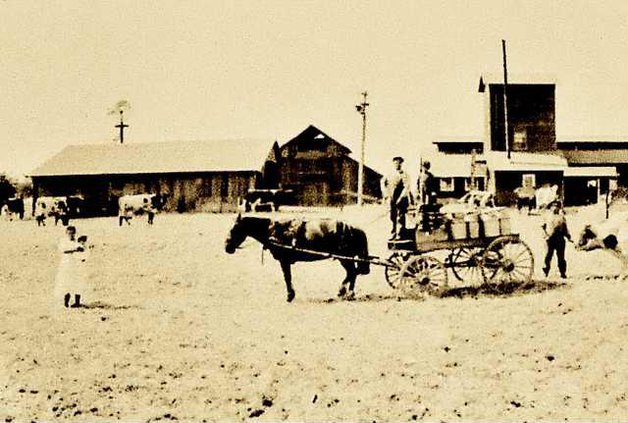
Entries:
{"x":178,"y":330}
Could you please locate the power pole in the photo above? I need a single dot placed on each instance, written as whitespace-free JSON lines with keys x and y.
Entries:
{"x":507,"y":139}
{"x":361,"y":108}
{"x":121,"y":125}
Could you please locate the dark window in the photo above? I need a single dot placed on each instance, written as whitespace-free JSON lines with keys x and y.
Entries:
{"x":224,"y":186}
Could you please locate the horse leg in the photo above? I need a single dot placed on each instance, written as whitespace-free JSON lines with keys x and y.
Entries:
{"x":350,"y":268}
{"x":287,"y":276}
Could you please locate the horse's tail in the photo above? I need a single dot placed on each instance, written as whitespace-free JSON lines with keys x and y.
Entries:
{"x":363,"y":267}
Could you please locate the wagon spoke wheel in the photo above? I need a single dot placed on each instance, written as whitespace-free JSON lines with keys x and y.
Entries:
{"x":507,"y":260}
{"x":424,"y":274}
{"x":466,"y":263}
{"x":392,"y":272}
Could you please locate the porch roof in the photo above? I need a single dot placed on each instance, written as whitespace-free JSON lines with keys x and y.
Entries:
{"x":591,"y":171}
{"x":524,"y":161}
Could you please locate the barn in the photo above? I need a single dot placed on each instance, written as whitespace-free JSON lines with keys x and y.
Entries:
{"x":192,"y":176}
{"x":321,"y":172}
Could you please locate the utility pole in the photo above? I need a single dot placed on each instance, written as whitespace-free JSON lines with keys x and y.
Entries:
{"x":507,"y":138}
{"x":121,"y":125}
{"x":361,"y":108}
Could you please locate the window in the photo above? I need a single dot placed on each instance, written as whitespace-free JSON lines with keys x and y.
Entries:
{"x":528,"y":180}
{"x":478,"y":185}
{"x":520,"y":140}
{"x":446,"y":184}
{"x":224,"y":186}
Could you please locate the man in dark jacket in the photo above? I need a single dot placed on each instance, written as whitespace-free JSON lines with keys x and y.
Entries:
{"x":556,"y":231}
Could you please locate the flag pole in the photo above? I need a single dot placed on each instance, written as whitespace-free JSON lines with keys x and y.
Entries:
{"x":506,"y":131}
{"x":421,"y":187}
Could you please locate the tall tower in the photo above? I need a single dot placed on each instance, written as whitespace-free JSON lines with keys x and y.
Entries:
{"x":531,"y":115}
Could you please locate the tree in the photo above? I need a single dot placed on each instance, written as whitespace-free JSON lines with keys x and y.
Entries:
{"x":24,"y":188}
{"x":7,"y":188}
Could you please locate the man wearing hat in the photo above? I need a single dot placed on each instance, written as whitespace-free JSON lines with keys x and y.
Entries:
{"x":556,"y":231}
{"x":396,"y":190}
{"x":427,"y":184}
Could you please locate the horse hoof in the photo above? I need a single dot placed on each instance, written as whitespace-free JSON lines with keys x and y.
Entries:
{"x":350,"y":296}
{"x":342,"y":292}
{"x":290,"y":297}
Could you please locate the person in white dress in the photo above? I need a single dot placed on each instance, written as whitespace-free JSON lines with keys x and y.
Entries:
{"x":71,"y":275}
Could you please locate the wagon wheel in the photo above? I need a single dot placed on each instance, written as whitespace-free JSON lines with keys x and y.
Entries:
{"x":466,"y":263}
{"x":507,"y":260}
{"x":424,"y":274}
{"x":392,"y":272}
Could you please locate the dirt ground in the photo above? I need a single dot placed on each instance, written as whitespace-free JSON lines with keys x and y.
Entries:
{"x":175,"y":329}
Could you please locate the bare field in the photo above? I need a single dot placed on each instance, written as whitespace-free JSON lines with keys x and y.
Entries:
{"x":175,"y":329}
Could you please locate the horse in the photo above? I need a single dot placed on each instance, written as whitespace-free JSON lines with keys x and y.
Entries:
{"x":287,"y":239}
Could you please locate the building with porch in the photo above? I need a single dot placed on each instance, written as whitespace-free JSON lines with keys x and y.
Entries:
{"x":582,"y":169}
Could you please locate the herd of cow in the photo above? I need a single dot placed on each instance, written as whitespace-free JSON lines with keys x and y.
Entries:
{"x":64,"y":208}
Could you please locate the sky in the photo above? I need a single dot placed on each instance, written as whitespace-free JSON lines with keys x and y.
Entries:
{"x":203,"y":70}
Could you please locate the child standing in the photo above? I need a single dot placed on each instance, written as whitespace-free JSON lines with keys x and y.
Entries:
{"x":71,"y":274}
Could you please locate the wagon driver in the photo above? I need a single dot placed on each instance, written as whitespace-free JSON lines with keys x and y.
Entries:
{"x":396,"y":190}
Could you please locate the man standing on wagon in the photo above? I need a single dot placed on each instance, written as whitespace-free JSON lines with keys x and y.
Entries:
{"x":396,"y":190}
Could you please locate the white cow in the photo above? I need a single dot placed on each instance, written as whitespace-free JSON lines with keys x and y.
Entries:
{"x":136,"y":205}
{"x":50,"y":207}
{"x":545,"y":196}
{"x":610,"y":234}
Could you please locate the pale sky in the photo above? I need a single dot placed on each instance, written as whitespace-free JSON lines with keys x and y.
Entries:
{"x":202,"y":70}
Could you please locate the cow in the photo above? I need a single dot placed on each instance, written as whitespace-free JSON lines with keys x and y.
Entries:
{"x":137,"y":205}
{"x":48,"y":206}
{"x":610,"y":235}
{"x":62,"y":208}
{"x":13,"y":207}
{"x":545,"y":196}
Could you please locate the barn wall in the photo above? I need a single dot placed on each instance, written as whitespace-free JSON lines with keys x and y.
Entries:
{"x":320,"y":172}
{"x":372,"y":182}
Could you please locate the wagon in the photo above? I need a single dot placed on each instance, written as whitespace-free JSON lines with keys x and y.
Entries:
{"x":413,"y":268}
{"x":486,"y":260}
{"x":421,"y":261}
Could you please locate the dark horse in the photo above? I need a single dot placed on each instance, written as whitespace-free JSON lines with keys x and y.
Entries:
{"x":283,"y":238}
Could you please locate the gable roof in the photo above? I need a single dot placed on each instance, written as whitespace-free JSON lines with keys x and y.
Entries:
{"x":311,"y":134}
{"x":165,"y":157}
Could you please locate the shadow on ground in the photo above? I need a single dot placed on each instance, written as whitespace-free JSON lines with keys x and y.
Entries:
{"x":510,"y":288}
{"x":487,"y":290}
{"x":98,"y":305}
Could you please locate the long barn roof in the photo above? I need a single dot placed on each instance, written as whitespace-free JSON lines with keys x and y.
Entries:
{"x":596,"y":157}
{"x":165,"y":157}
